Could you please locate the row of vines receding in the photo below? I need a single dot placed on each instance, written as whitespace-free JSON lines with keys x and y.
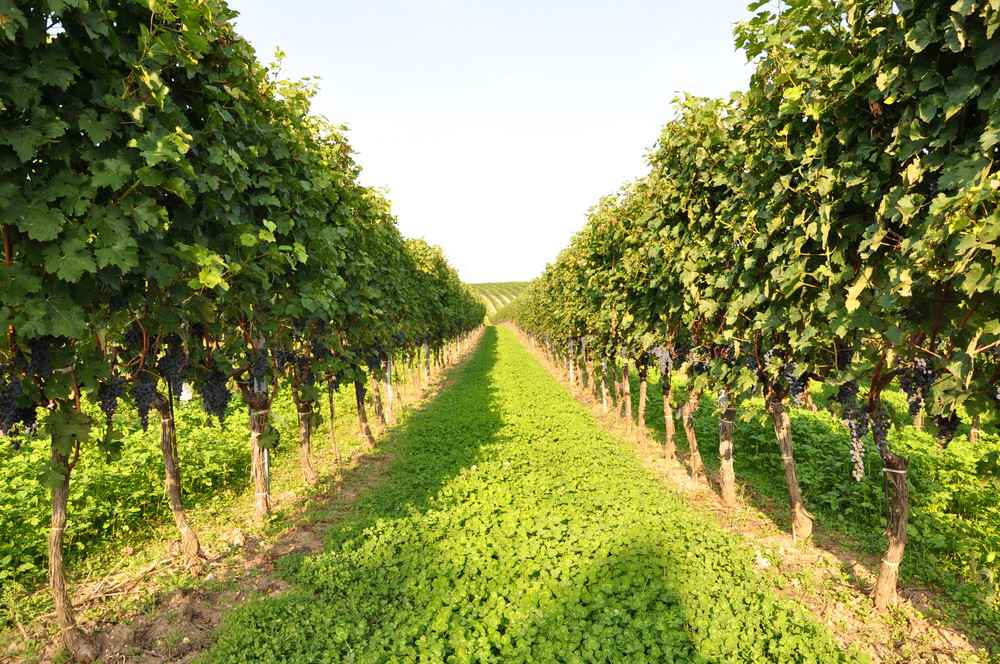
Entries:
{"x":174,"y":216}
{"x":834,"y":225}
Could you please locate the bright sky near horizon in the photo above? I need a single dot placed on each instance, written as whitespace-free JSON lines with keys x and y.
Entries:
{"x":495,"y":126}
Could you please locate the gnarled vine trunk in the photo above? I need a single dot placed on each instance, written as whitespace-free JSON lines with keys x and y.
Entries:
{"x":643,"y":389}
{"x":727,"y":477}
{"x":687,"y":414}
{"x":366,"y":431}
{"x":380,"y":420}
{"x":172,"y":474}
{"x":669,"y":428}
{"x":260,"y":471}
{"x":627,"y":393}
{"x":333,"y":427}
{"x":897,"y":503}
{"x":802,"y":520}
{"x":82,"y":647}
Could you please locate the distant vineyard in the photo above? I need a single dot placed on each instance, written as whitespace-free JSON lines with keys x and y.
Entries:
{"x":499,"y":295}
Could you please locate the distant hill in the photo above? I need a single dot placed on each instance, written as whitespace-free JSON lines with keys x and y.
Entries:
{"x":497,"y":295}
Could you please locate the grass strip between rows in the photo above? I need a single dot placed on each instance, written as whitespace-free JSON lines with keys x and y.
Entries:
{"x":511,"y":528}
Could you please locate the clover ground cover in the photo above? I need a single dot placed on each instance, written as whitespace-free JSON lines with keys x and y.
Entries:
{"x":511,"y":528}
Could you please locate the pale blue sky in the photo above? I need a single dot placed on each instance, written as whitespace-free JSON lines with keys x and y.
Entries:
{"x":496,"y":126}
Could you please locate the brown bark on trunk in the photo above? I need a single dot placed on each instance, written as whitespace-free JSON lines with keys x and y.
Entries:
{"x":643,"y":393}
{"x":380,"y":420}
{"x":918,"y":421}
{"x":808,"y":399}
{"x":687,"y":413}
{"x":309,"y":473}
{"x":802,"y":520}
{"x":82,"y":647}
{"x":366,"y":432}
{"x":627,"y":390}
{"x":897,"y":499}
{"x":975,"y":430}
{"x":168,"y":446}
{"x":669,"y":427}
{"x":260,"y":472}
{"x":727,"y":420}
{"x":390,"y":393}
{"x":333,"y":427}
{"x":427,"y":365}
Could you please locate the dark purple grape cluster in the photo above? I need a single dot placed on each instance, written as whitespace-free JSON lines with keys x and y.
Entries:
{"x":215,"y":394}
{"x":333,"y":382}
{"x":913,"y":312}
{"x":143,"y":392}
{"x":132,"y":339}
{"x":173,"y":363}
{"x":117,"y":302}
{"x":845,"y":357}
{"x":38,"y":362}
{"x":698,"y":360}
{"x":372,"y":361}
{"x":796,"y":384}
{"x":853,"y":415}
{"x":664,"y":359}
{"x":10,"y":392}
{"x":108,"y":393}
{"x":282,"y":359}
{"x":260,"y":364}
{"x":915,"y":379}
{"x":946,"y":426}
{"x":880,"y":426}
{"x":318,"y":350}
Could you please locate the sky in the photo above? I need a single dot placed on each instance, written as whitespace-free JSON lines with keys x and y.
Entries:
{"x":493,"y":127}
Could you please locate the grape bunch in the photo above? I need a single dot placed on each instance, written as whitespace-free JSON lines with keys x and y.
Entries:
{"x":333,"y":382}
{"x":143,"y":392}
{"x":282,"y":358}
{"x":946,"y":427}
{"x":373,"y":361}
{"x":39,"y":360}
{"x":664,"y":359}
{"x":173,"y":363}
{"x":796,"y":384}
{"x":10,"y":391}
{"x":845,"y":357}
{"x":215,"y":394}
{"x":880,"y":426}
{"x":915,"y":380}
{"x":117,"y":302}
{"x":133,"y":337}
{"x":304,"y":368}
{"x":698,"y":360}
{"x":318,"y":350}
{"x":259,"y":371}
{"x":857,"y":420}
{"x":108,"y":394}
{"x":912,"y":313}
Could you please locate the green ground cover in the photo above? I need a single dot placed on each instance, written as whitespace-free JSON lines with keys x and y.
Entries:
{"x":510,"y":527}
